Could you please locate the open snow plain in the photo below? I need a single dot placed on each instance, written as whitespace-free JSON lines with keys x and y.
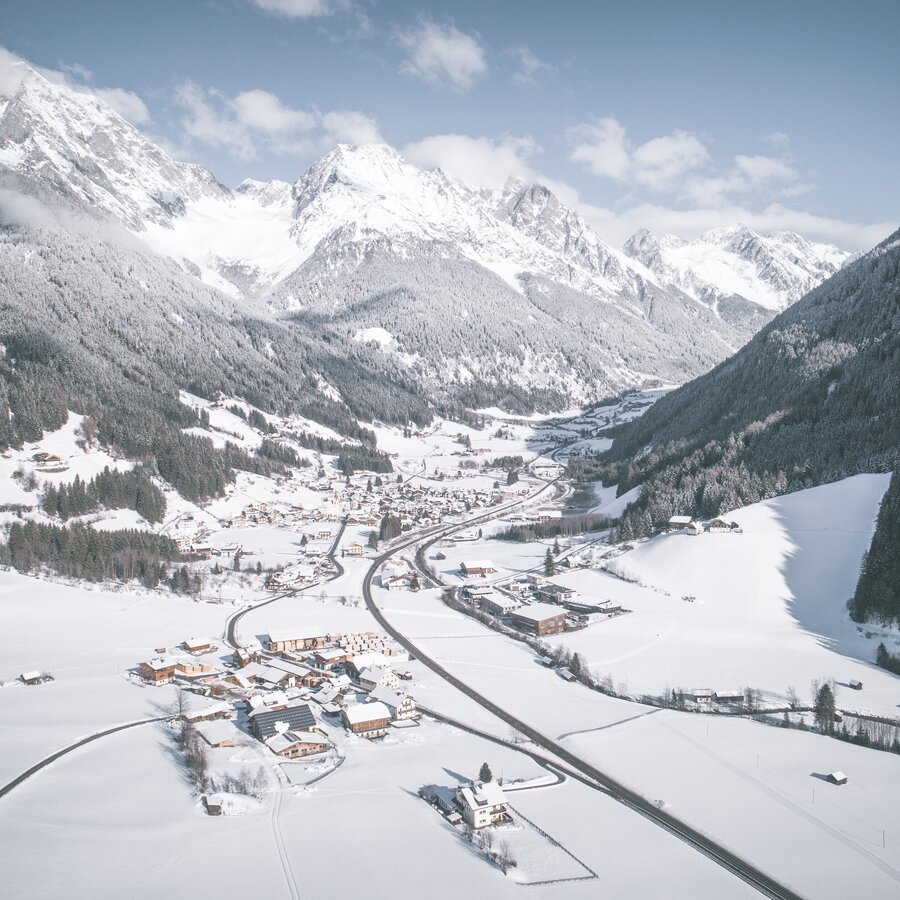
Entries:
{"x":767,"y":612}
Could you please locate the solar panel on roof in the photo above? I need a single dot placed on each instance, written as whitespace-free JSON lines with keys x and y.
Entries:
{"x":298,"y":717}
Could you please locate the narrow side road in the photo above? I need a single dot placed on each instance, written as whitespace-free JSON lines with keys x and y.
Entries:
{"x":59,"y":753}
{"x":719,"y":854}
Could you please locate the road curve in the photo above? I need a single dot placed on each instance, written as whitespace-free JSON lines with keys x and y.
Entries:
{"x":231,"y":622}
{"x":744,"y":870}
{"x":55,"y":756}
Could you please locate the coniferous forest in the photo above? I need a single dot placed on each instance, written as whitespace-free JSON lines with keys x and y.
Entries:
{"x":813,"y":398}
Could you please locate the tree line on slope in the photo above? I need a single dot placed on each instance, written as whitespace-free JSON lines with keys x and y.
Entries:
{"x":813,"y":398}
{"x":78,"y":551}
{"x":113,"y":332}
{"x":110,"y":489}
{"x":877,"y":594}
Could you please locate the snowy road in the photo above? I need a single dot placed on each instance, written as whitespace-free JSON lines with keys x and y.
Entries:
{"x":714,"y":851}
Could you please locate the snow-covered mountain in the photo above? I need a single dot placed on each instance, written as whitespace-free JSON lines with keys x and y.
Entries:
{"x":771,"y":271}
{"x":484,"y":295}
{"x":53,"y":138}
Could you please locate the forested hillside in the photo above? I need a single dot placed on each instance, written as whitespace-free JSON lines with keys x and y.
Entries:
{"x":878,"y":591}
{"x":813,"y":398}
{"x":110,"y":331}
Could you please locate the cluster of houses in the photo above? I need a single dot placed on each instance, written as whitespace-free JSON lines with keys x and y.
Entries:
{"x":353,"y":679}
{"x":533,"y":604}
{"x":690,"y":525}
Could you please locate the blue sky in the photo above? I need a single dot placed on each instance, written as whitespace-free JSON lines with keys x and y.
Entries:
{"x":675,"y":116}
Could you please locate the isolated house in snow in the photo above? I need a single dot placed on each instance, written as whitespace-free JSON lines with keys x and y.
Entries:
{"x":477,"y":568}
{"x":482,"y":805}
{"x":160,"y":670}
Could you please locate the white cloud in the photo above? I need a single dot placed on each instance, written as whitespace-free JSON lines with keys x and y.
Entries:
{"x":210,"y":119}
{"x":255,"y":121}
{"x":264,"y":112}
{"x":530,"y":66}
{"x":296,"y":9}
{"x":13,"y":69}
{"x":478,"y":161}
{"x":661,"y":162}
{"x":350,"y":127}
{"x":126,"y":103}
{"x":604,"y":149}
{"x":765,"y":169}
{"x":443,"y":55}
{"x":778,"y":139}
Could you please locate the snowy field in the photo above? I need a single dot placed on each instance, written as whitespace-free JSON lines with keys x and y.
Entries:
{"x":762,"y":792}
{"x":87,"y":639}
{"x":769,"y":609}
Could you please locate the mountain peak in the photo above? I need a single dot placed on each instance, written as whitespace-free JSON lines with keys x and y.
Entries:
{"x":91,"y":156}
{"x":266,"y":193}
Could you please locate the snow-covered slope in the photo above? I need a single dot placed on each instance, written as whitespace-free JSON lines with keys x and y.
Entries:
{"x":771,"y":270}
{"x":55,"y":138}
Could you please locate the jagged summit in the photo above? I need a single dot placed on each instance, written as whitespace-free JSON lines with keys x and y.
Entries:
{"x":508,"y":288}
{"x":80,"y":147}
{"x":769,"y":270}
{"x":266,"y":193}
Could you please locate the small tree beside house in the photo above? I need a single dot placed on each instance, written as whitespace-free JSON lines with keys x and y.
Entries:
{"x":484,"y":773}
{"x":549,"y":564}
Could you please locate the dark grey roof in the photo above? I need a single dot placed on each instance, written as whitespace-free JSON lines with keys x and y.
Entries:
{"x":298,"y":718}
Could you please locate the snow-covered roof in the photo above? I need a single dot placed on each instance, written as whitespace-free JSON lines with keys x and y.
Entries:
{"x":331,"y":653}
{"x":477,"y":564}
{"x":282,"y":636}
{"x":366,"y":712}
{"x":681,"y":520}
{"x":385,"y":695}
{"x":197,"y":642}
{"x":209,"y":709}
{"x":538,"y":612}
{"x":279,"y":742}
{"x":161,"y":662}
{"x":30,"y":676}
{"x":374,"y":673}
{"x":218,"y":731}
{"x":488,"y":794}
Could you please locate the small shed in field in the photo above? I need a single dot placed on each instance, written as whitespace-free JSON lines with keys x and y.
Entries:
{"x":837,"y":777}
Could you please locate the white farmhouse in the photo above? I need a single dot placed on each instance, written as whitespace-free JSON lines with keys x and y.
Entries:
{"x":378,"y":676}
{"x":482,"y":805}
{"x":402,"y":706}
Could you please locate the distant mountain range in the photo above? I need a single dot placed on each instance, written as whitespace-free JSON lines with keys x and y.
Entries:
{"x":472,"y":297}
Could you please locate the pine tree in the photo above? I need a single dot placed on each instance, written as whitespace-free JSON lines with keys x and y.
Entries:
{"x":549,"y":564}
{"x":825,"y":708}
{"x":485,"y":774}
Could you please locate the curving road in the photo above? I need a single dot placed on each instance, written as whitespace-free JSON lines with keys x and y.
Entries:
{"x":55,"y":756}
{"x":738,"y":866}
{"x":231,"y":622}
